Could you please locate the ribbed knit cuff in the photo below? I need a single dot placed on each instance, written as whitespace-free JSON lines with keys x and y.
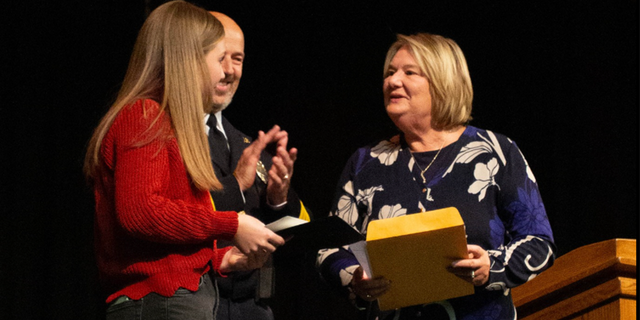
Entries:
{"x":225,"y":224}
{"x":217,"y":260}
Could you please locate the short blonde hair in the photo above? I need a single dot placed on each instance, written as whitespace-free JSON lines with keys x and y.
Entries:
{"x":445,"y":66}
{"x":168,"y":65}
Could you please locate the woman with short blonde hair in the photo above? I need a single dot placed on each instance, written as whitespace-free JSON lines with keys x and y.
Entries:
{"x":439,"y":161}
{"x":445,"y":66}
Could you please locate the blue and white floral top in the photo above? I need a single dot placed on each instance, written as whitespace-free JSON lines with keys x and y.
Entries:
{"x":485,"y":176}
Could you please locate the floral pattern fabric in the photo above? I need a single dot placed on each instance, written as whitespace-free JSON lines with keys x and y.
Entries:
{"x":486,"y":177}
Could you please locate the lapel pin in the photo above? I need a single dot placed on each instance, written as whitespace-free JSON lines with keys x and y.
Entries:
{"x":261,"y":171}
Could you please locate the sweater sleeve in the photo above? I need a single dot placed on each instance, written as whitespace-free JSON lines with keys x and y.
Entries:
{"x":154,"y":198}
{"x":529,"y":247}
{"x":336,"y":265}
{"x":218,"y":257}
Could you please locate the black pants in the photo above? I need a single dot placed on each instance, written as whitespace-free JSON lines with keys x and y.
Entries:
{"x":249,"y":309}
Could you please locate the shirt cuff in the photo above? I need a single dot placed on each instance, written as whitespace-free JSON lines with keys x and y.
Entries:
{"x":276,"y":207}
{"x":244,"y":200}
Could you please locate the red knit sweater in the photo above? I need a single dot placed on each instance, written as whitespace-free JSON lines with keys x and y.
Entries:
{"x":154,"y":230}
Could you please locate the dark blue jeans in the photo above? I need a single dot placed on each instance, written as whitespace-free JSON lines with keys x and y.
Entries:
{"x":184,"y":304}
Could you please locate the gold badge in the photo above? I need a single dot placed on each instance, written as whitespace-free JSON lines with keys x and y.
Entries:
{"x":246,"y":140}
{"x":261,"y":171}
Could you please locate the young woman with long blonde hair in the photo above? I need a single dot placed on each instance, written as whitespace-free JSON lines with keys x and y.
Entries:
{"x":148,"y":161}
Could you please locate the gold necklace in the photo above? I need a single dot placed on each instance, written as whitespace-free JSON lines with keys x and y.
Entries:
{"x":430,"y":163}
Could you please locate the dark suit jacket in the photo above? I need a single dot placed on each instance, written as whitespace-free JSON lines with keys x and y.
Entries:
{"x":230,"y":198}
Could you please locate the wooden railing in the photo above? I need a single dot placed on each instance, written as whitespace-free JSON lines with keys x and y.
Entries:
{"x":596,"y":281}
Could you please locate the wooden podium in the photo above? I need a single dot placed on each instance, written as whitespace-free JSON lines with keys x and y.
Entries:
{"x":596,"y":281}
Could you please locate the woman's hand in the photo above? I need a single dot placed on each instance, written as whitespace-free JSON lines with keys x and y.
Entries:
{"x":235,"y":260}
{"x":476,"y":268}
{"x":254,"y":239}
{"x":368,"y":289}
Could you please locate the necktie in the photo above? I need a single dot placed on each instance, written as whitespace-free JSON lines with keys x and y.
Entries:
{"x":218,"y":144}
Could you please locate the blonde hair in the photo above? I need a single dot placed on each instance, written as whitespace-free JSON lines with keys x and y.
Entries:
{"x":445,"y":66}
{"x":168,"y":65}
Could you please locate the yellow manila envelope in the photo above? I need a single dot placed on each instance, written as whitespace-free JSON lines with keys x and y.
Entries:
{"x":414,"y":251}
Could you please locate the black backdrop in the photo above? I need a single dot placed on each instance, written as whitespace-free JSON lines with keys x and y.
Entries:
{"x":560,"y":78}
